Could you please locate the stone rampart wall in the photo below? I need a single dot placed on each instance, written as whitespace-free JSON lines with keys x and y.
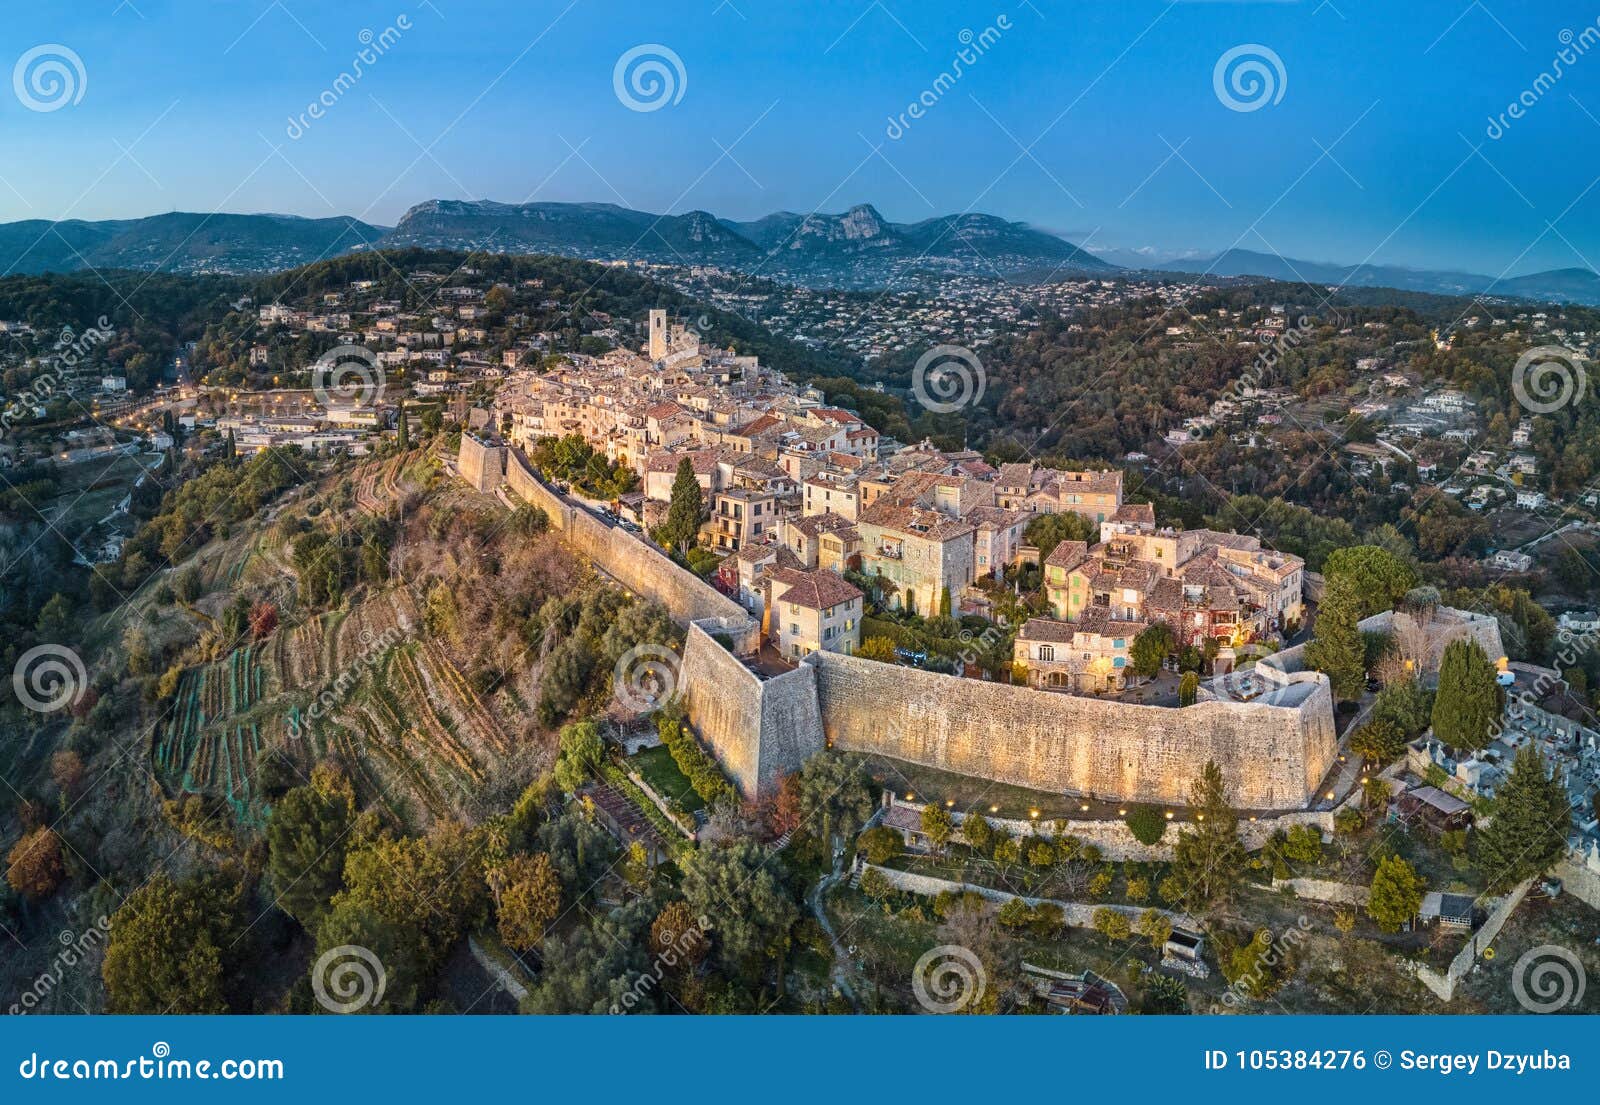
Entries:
{"x":639,"y":567}
{"x":1272,"y":757}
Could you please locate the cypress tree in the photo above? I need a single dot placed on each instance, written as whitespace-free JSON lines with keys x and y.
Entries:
{"x":684,"y":513}
{"x":1468,"y":701}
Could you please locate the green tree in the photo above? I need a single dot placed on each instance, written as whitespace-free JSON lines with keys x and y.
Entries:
{"x":1208,"y":861}
{"x":579,"y":754}
{"x":307,"y":838}
{"x":1156,"y":927}
{"x":686,"y":509}
{"x":1467,"y":703}
{"x":1147,"y":823}
{"x":879,"y":844}
{"x":833,"y":795}
{"x":402,"y":433}
{"x":1188,"y":689}
{"x":1337,"y":650}
{"x":750,"y":908}
{"x":1532,"y":818}
{"x":1396,"y":894}
{"x":1380,"y":741}
{"x":1046,"y":531}
{"x":529,"y":901}
{"x":977,"y":832}
{"x":1113,"y":924}
{"x":1152,"y":646}
{"x":1377,"y":576}
{"x":169,"y":946}
{"x":878,"y":648}
{"x":937,"y":825}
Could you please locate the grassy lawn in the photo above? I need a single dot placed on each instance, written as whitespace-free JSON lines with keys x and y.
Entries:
{"x":656,"y":767}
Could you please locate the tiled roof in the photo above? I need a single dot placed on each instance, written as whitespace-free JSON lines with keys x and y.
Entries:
{"x":817,"y":590}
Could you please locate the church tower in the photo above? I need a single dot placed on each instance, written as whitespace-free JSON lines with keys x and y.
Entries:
{"x":658,"y":335}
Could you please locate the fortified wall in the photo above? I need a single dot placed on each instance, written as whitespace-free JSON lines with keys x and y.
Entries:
{"x":758,"y":728}
{"x":1271,"y":756}
{"x":638,"y":566}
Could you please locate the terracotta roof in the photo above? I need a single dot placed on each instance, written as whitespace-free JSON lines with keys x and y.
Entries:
{"x":1068,"y":555}
{"x":817,"y":590}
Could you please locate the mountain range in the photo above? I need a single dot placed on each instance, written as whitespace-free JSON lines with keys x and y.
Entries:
{"x":857,"y":248}
{"x":1575,"y":285}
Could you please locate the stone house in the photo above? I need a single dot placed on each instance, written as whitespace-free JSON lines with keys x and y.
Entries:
{"x":1087,"y":657}
{"x":924,"y":553}
{"x":808,"y":611}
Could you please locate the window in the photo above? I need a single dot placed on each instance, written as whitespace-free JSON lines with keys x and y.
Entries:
{"x":1047,"y":652}
{"x":794,"y":629}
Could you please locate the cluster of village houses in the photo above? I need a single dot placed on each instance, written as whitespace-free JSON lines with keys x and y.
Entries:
{"x":800,"y":492}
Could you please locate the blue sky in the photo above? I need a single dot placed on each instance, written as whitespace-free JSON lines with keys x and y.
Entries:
{"x":1099,"y":121}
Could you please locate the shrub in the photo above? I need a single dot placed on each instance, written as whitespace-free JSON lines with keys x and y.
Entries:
{"x":1147,"y":823}
{"x":879,"y":845}
{"x":1112,"y":924}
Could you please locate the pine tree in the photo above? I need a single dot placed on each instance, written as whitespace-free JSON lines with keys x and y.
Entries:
{"x":402,"y":434}
{"x":1531,"y":820}
{"x":1468,"y":701}
{"x":1208,"y":860}
{"x":1337,"y":651}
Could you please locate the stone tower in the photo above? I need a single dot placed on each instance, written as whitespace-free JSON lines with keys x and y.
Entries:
{"x":658,"y":335}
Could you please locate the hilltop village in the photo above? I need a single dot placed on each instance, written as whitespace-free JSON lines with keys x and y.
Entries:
{"x":807,"y":507}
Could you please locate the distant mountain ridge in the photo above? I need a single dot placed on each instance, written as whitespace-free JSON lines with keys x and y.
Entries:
{"x":855,"y":248}
{"x":1574,"y":285}
{"x":816,"y":244}
{"x":180,"y":242}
